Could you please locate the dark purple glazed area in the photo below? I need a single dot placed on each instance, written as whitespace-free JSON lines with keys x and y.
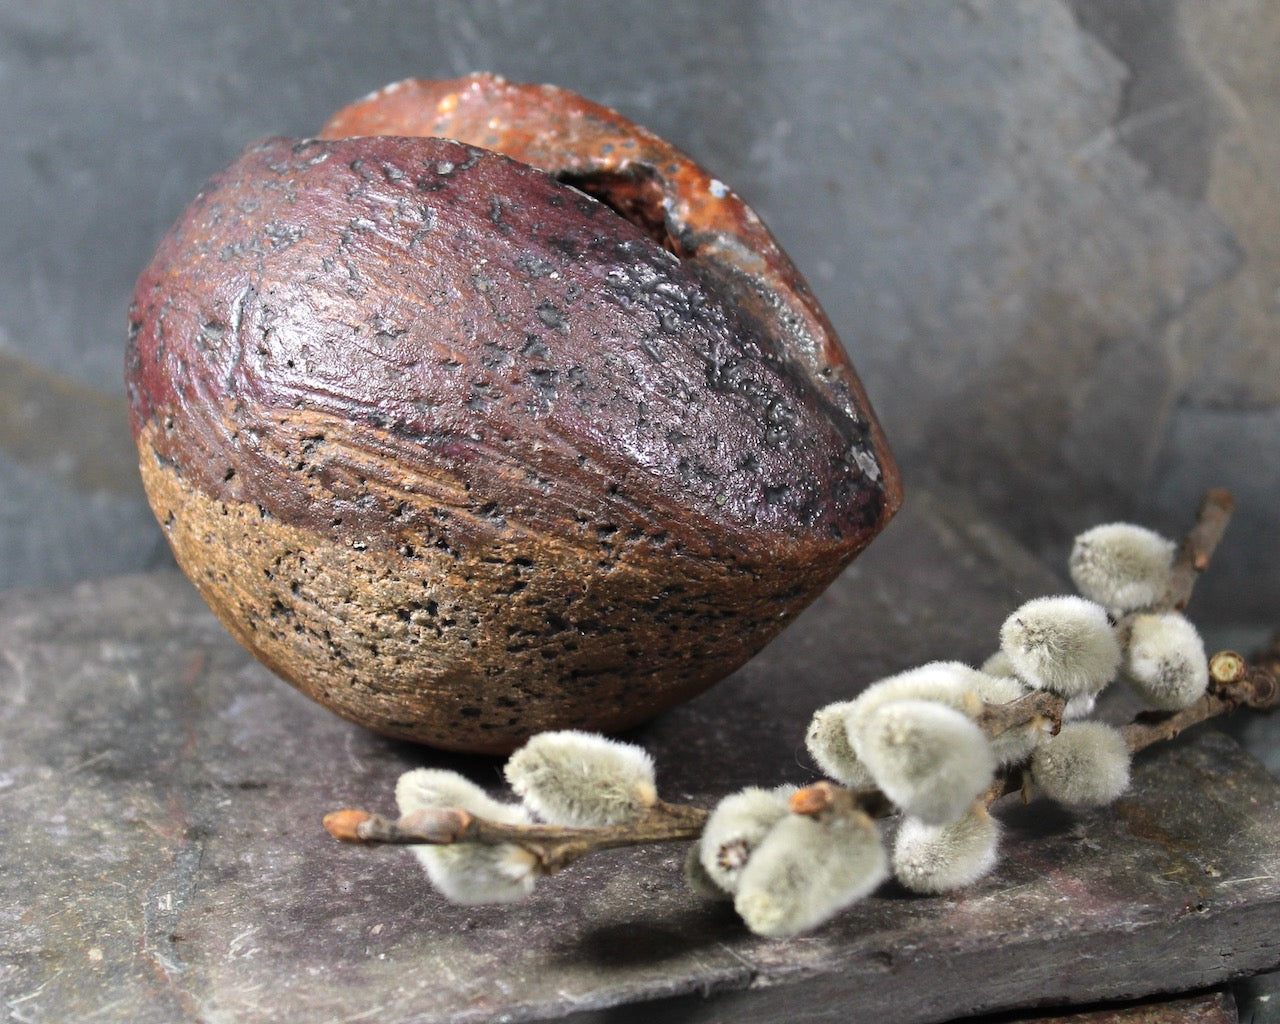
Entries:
{"x":429,"y":332}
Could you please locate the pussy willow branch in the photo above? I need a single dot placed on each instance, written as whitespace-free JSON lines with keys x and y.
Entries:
{"x":1233,"y":683}
{"x":554,"y":846}
{"x":1195,"y":552}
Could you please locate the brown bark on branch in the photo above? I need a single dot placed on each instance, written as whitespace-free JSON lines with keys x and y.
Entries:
{"x":996,"y":719}
{"x":1197,"y":547}
{"x":554,"y":846}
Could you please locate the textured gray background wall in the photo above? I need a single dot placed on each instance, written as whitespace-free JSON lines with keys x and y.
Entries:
{"x":1047,"y":230}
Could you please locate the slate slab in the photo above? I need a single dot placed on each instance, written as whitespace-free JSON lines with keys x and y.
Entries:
{"x":162,"y":858}
{"x":1210,"y":1008}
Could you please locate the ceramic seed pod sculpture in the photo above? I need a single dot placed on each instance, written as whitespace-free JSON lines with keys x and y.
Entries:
{"x":489,"y":412}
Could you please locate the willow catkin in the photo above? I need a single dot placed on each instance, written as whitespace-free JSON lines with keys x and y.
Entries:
{"x":466,"y":872}
{"x":578,"y":779}
{"x":1062,"y":644}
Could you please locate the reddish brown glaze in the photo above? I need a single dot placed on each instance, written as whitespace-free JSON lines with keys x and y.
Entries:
{"x":465,"y":454}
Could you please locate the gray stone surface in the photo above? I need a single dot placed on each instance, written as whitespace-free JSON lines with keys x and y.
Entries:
{"x":1211,"y":1008}
{"x":1046,"y":229}
{"x":162,"y":857}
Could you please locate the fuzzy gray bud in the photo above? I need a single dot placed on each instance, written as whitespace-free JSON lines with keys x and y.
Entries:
{"x":1062,"y":644}
{"x":940,"y":858}
{"x":1165,"y":661}
{"x":736,"y":827}
{"x":1085,"y":765}
{"x":1122,"y":566}
{"x":467,"y":872}
{"x":999,"y":689}
{"x":581,"y":778}
{"x":929,"y":759}
{"x":998,"y":665}
{"x":425,"y":788}
{"x":833,"y":736}
{"x":951,"y":683}
{"x":808,"y":869}
{"x":827,"y":741}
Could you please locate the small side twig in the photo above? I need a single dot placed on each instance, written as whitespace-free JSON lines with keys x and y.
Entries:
{"x":1198,"y":546}
{"x":554,"y":846}
{"x":1014,"y":779}
{"x":996,"y":719}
